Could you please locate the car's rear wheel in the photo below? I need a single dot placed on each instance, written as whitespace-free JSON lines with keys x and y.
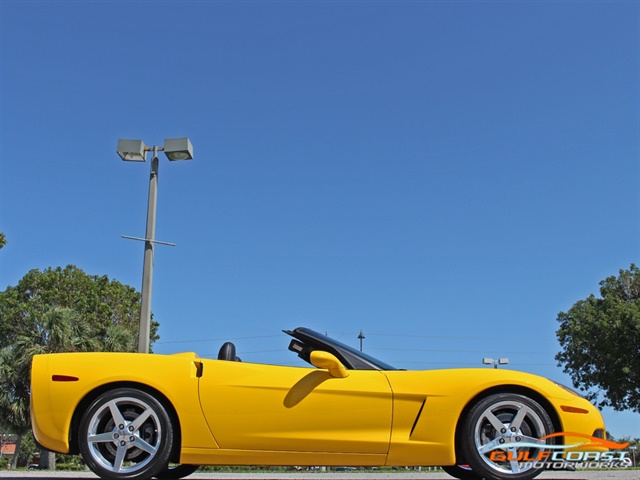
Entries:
{"x":126,"y":434}
{"x":500,"y":435}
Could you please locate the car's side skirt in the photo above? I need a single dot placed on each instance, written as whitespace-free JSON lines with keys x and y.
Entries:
{"x":206,"y":456}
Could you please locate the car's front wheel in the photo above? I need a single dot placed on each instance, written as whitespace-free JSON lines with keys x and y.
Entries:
{"x":500,"y":437}
{"x":126,"y":434}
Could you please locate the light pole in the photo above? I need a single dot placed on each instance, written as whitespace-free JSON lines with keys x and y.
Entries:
{"x":361,"y":337}
{"x":136,"y":151}
{"x":496,"y":362}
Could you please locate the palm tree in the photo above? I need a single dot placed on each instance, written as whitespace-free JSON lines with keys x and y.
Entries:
{"x":59,"y":330}
{"x":14,"y":412}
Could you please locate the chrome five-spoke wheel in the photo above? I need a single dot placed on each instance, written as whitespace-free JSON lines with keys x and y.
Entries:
{"x":126,"y":434}
{"x":501,"y":437}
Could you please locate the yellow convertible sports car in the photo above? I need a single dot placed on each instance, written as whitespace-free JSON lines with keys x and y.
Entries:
{"x":137,"y":416}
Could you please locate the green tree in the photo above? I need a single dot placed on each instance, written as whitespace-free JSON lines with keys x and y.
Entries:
{"x":27,"y":449}
{"x":109,"y":307}
{"x":600,"y":340}
{"x":58,"y":330}
{"x":14,"y":414}
{"x":3,"y":240}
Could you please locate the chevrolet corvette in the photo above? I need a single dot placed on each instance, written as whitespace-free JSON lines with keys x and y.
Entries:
{"x":135,"y":416}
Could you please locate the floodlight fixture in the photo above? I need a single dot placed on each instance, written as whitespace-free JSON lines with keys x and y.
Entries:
{"x":131,"y":150}
{"x":178,"y":149}
{"x":495,"y":362}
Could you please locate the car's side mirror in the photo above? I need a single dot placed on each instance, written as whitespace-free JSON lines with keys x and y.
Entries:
{"x":328,"y":361}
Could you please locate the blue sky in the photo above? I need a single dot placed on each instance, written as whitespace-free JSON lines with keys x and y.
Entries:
{"x":445,"y":176}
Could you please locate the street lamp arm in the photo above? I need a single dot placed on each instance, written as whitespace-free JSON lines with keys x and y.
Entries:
{"x":148,"y":240}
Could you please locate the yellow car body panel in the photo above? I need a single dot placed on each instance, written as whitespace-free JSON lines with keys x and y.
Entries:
{"x":266,"y":407}
{"x":245,"y":413}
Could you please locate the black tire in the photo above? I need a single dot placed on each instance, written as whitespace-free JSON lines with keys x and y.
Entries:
{"x":490,"y":424}
{"x":463,"y":472}
{"x":173,"y":472}
{"x":126,"y":434}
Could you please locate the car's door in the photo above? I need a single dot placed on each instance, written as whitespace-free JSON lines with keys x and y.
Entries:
{"x":266,"y":407}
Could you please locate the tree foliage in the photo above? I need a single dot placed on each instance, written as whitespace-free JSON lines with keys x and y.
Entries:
{"x":59,"y":330}
{"x":109,"y":307}
{"x":600,"y":340}
{"x":3,"y":240}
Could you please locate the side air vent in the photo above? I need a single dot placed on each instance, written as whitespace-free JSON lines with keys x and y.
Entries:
{"x":415,"y":422}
